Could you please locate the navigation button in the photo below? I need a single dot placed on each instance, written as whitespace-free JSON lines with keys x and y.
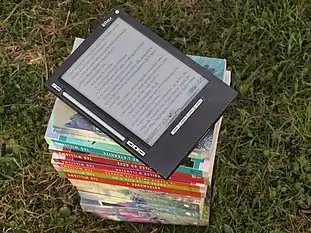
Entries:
{"x":186,"y":117}
{"x":198,"y":103}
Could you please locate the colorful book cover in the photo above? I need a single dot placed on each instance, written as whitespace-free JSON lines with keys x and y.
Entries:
{"x":89,"y":185}
{"x":131,"y":214}
{"x":138,"y":195}
{"x":88,"y":201}
{"x":128,"y":181}
{"x":196,"y":167}
{"x":201,"y":211}
{"x":131,"y":183}
{"x":149,"y":211}
{"x":75,"y":159}
{"x":163,"y":209}
{"x":127,"y":201}
{"x":149,"y":214}
{"x":125,"y":215}
{"x":119,"y":175}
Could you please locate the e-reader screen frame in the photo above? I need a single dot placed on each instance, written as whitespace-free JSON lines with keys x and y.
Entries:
{"x":181,"y":136}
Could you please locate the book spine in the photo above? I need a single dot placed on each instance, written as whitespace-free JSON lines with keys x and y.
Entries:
{"x":160,"y":209}
{"x":125,"y":167}
{"x":129,"y":183}
{"x":135,"y":194}
{"x":131,"y":201}
{"x":129,"y":215}
{"x":89,"y":135}
{"x":83,"y":134}
{"x":126,"y":158}
{"x":104,"y":172}
{"x":135,"y":179}
{"x":108,"y":154}
{"x":179,"y":177}
{"x":100,"y":147}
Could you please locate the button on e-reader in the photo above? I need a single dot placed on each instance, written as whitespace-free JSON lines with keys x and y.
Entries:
{"x":190,"y":112}
{"x":175,"y":129}
{"x":198,"y":103}
{"x":186,"y":117}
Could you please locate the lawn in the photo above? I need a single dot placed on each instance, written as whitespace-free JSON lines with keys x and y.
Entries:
{"x":263,"y":168}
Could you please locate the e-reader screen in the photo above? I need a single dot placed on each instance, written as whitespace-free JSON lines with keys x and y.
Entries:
{"x":134,"y":80}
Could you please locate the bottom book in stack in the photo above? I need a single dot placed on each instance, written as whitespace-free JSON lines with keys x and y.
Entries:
{"x":115,"y":185}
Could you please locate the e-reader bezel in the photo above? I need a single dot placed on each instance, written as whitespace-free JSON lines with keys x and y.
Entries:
{"x":169,"y":150}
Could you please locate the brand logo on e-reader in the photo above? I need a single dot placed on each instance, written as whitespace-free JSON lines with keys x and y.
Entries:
{"x":136,"y":148}
{"x":56,"y":87}
{"x":106,"y":22}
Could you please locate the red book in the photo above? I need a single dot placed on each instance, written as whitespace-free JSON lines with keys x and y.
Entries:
{"x":160,"y":182}
{"x":132,"y":185}
{"x":89,"y":160}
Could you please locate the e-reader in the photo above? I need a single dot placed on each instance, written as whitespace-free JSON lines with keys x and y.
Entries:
{"x":153,"y":100}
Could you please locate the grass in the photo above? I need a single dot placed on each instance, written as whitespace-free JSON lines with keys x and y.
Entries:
{"x":263,"y":168}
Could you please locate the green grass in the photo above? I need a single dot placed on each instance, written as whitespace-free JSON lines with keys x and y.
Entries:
{"x":263,"y":167}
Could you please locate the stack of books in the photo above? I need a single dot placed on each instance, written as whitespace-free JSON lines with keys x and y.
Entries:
{"x":113,"y":184}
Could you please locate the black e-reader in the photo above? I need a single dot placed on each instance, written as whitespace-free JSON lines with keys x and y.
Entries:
{"x":153,"y":100}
